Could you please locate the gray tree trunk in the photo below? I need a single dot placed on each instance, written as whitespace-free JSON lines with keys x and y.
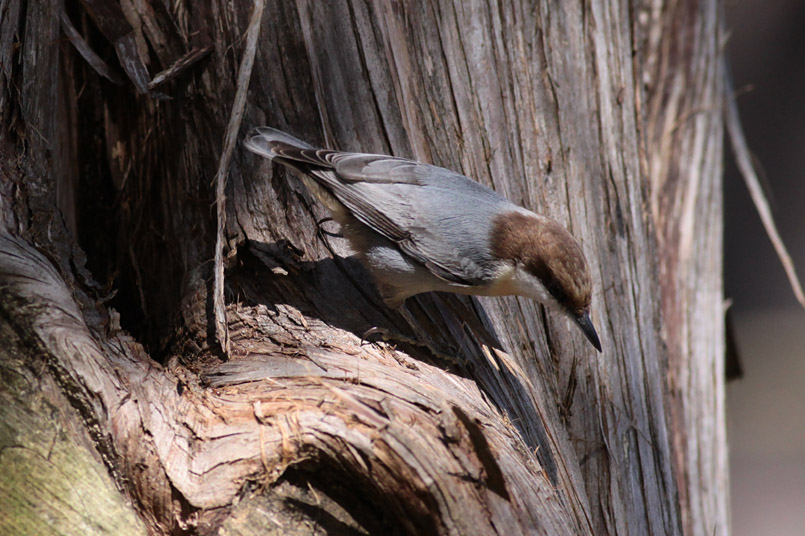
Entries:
{"x":120,"y":415}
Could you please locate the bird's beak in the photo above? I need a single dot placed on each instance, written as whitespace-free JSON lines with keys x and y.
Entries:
{"x":586,"y":325}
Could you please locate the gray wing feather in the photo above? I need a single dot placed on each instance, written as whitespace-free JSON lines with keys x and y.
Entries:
{"x":422,"y":209}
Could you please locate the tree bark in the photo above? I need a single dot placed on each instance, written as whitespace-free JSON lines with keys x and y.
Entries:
{"x":480,"y":415}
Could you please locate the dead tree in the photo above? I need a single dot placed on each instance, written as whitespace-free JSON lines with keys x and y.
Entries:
{"x":125,"y":407}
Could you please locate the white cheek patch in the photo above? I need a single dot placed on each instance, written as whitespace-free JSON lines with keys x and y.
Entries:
{"x":525,"y":284}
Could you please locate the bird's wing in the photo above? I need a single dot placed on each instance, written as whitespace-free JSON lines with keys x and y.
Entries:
{"x":374,"y":168}
{"x":419,"y":207}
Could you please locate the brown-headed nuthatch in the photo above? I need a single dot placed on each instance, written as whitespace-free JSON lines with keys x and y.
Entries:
{"x":420,"y":228}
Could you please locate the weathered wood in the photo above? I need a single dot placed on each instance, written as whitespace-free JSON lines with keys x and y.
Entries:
{"x":52,"y":481}
{"x":606,"y":116}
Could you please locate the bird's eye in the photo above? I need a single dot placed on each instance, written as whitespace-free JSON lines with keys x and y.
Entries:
{"x":556,"y":291}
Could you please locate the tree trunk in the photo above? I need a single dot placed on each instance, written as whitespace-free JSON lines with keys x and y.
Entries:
{"x":121,"y":414}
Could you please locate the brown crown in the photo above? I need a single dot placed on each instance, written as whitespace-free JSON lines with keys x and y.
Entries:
{"x":545,"y":249}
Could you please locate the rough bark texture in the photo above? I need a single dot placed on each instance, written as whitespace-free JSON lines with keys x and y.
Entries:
{"x":604,"y":115}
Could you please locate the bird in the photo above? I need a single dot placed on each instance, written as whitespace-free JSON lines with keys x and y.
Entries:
{"x":420,"y":228}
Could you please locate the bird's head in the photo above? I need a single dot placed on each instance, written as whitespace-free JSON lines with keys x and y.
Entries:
{"x":548,"y":266}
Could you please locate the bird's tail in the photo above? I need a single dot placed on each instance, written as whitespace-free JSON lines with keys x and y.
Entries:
{"x":263,"y":140}
{"x":298,"y":157}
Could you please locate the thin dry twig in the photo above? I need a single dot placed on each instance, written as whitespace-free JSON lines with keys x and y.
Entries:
{"x":244,"y":76}
{"x":744,"y":162}
{"x":179,"y":66}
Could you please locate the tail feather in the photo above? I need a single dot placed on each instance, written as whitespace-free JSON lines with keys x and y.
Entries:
{"x":301,"y":159}
{"x":263,"y":140}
